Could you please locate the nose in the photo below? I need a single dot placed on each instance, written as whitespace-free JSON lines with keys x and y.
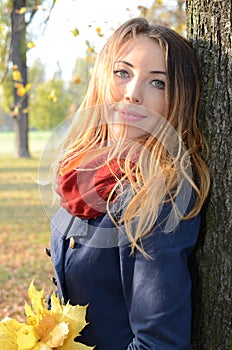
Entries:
{"x":133,"y":93}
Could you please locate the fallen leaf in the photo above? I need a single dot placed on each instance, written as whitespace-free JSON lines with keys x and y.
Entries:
{"x":75,"y":32}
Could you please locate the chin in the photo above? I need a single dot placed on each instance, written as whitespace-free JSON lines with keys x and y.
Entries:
{"x":131,"y":133}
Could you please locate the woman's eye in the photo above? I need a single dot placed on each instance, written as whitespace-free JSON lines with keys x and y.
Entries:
{"x":159,"y":84}
{"x":121,"y":73}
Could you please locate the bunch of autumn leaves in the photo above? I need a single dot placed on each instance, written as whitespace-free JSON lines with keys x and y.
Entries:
{"x":44,"y":329}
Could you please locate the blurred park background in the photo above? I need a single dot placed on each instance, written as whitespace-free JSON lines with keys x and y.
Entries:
{"x":47,"y":51}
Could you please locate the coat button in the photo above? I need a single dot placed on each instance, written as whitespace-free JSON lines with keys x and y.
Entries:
{"x":47,"y":252}
{"x":72,"y":243}
{"x":54,"y":281}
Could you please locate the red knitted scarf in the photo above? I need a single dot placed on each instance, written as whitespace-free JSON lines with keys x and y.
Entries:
{"x":84,"y":189}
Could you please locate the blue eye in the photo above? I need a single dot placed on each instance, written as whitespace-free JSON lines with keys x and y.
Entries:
{"x":121,"y":73}
{"x":159,"y":84}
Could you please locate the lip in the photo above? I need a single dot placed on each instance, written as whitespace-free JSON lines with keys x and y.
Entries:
{"x":131,"y":115}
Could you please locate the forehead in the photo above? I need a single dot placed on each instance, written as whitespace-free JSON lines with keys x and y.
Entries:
{"x":142,"y":50}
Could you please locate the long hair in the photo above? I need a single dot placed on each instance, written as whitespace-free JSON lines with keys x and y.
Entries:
{"x":159,"y":174}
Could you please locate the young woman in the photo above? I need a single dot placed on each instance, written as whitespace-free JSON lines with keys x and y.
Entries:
{"x":131,"y":182}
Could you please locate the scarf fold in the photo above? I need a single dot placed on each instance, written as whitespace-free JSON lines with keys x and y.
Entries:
{"x":84,"y":190}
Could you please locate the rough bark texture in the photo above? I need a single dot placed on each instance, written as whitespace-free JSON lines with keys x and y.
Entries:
{"x":19,"y":61}
{"x":209,"y":29}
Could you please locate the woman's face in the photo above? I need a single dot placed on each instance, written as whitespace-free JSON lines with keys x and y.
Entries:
{"x":139,"y":91}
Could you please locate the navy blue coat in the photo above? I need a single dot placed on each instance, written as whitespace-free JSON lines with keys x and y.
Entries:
{"x":134,"y":302}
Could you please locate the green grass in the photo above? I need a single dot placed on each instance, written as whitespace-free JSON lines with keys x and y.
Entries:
{"x":24,"y":226}
{"x":37,"y":141}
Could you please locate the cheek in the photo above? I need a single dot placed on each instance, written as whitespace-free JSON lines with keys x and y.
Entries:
{"x":157,"y":103}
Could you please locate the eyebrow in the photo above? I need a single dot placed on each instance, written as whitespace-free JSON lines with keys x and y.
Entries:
{"x":152,"y":72}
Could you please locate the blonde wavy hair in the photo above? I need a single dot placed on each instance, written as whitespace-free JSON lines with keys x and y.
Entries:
{"x":158,"y":175}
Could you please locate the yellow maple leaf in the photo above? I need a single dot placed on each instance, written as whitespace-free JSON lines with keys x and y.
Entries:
{"x":77,"y":80}
{"x":41,"y":8}
{"x":8,"y":337}
{"x":52,"y":96}
{"x":16,"y":75}
{"x":27,"y":337}
{"x":44,"y":329}
{"x":57,"y":335}
{"x":30,"y":45}
{"x":90,"y":49}
{"x":99,"y":33}
{"x":37,"y":300}
{"x":15,"y":112}
{"x":21,"y":91}
{"x":28,"y":87}
{"x":75,"y":32}
{"x":58,"y":326}
{"x":63,"y":316}
{"x":21,"y":11}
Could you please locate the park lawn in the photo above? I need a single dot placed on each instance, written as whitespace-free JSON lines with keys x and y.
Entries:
{"x":24,"y":227}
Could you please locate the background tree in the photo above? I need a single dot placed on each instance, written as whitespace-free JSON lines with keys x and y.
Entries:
{"x":49,"y":104}
{"x":36,"y":74}
{"x":170,"y":14}
{"x":16,"y":16}
{"x":18,"y":58}
{"x":209,"y":28}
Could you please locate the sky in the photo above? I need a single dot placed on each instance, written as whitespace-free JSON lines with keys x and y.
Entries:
{"x":59,"y":47}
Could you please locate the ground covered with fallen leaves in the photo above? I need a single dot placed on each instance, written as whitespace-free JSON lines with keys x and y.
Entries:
{"x":24,"y":233}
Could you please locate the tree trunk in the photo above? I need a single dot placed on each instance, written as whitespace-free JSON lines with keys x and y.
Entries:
{"x":209,"y":29}
{"x":19,"y":63}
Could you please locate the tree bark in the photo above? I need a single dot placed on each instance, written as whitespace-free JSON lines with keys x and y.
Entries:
{"x":19,"y":63}
{"x":209,"y":29}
